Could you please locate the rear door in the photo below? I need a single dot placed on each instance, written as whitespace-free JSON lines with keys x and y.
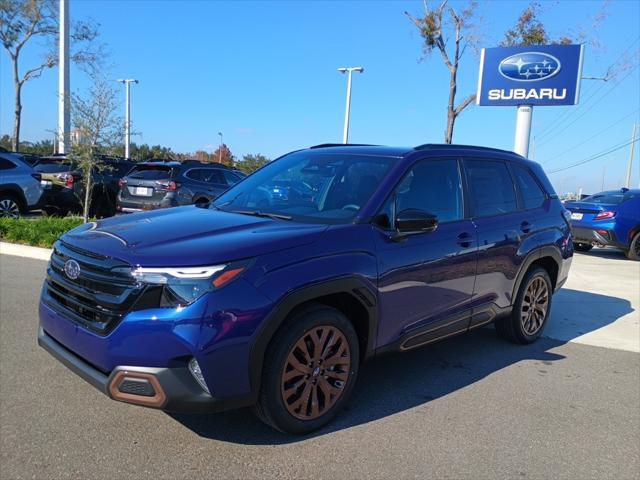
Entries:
{"x":502,"y":229}
{"x":216,"y":181}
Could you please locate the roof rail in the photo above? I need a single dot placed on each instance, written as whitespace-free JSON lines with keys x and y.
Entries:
{"x":453,"y":145}
{"x":323,"y":145}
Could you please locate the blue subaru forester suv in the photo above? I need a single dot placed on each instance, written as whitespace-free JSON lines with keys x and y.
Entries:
{"x":274,"y":301}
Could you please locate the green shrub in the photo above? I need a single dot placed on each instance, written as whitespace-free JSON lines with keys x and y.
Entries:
{"x":38,"y":232}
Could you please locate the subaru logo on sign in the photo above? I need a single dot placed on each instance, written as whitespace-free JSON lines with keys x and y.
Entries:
{"x":72,"y":269}
{"x":529,"y":66}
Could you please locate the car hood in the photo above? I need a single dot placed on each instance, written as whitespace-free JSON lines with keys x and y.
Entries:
{"x":189,"y":236}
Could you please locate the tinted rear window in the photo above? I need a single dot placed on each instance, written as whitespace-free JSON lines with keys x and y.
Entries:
{"x":611,"y":198}
{"x":53,"y":166}
{"x":151,"y":172}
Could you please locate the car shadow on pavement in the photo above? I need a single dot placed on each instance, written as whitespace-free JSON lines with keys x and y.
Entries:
{"x":606,"y":253}
{"x":393,"y":383}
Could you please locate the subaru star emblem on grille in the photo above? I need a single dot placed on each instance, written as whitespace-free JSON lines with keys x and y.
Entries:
{"x":529,"y":67}
{"x":72,"y":269}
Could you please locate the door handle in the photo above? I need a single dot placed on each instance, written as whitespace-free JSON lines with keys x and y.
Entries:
{"x":465,"y":239}
{"x":525,"y":227}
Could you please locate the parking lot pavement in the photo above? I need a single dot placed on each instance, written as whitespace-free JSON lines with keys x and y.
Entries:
{"x":470,"y":407}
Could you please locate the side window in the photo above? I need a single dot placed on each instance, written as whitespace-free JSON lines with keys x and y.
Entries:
{"x":532,"y":194}
{"x":231,"y":178}
{"x":491,"y":189}
{"x":6,"y":164}
{"x":212,"y":175}
{"x":432,"y":186}
{"x":194,"y":174}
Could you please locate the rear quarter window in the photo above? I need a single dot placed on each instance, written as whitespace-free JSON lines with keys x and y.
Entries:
{"x":532,"y":195}
{"x":6,"y":164}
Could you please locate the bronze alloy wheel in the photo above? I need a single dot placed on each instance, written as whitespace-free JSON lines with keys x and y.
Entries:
{"x":535,"y":305}
{"x":315,"y":372}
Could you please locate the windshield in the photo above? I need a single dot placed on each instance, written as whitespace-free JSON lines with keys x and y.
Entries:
{"x":309,"y":186}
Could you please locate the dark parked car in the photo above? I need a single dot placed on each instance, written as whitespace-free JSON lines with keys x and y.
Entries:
{"x":152,"y":185}
{"x":607,"y":219}
{"x":65,"y":186}
{"x":20,"y":188}
{"x":275,"y":304}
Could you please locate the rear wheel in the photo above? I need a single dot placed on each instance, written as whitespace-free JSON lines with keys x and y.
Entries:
{"x":634,"y":249}
{"x":9,"y":207}
{"x":582,"y":247}
{"x":310,"y":370}
{"x":531,"y":310}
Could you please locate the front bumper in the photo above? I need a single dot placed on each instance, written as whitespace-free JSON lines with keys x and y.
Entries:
{"x":170,"y":389}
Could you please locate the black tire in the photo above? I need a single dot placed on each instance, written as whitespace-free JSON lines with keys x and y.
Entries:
{"x":202,"y":201}
{"x":514,"y":327}
{"x":271,"y":407}
{"x":10,"y":206}
{"x":582,"y":247}
{"x":634,"y":249}
{"x":51,"y":211}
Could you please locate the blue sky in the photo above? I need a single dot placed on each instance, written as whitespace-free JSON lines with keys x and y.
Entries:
{"x":264,"y":73}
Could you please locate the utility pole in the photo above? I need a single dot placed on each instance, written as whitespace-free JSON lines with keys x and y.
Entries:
{"x":349,"y":70}
{"x":220,"y":149}
{"x":630,"y":164}
{"x":64,"y":116}
{"x":127,"y":113}
{"x":604,"y":171}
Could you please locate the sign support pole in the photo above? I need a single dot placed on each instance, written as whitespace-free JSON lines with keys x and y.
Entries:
{"x":523,"y":130}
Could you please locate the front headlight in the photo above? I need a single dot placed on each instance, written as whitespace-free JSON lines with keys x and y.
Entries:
{"x":180,"y":286}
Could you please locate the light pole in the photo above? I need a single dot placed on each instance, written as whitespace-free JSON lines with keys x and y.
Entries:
{"x":349,"y":70}
{"x":127,"y":113}
{"x":220,"y":149}
{"x":64,"y":118}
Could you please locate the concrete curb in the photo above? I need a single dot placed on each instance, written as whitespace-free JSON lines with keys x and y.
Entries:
{"x":24,"y":251}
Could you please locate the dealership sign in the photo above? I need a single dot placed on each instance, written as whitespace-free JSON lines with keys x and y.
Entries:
{"x":531,"y":75}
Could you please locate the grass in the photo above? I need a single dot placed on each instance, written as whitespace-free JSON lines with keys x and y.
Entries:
{"x":37,"y":232}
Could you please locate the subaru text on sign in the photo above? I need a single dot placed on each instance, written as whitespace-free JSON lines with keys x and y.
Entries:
{"x":530,"y":75}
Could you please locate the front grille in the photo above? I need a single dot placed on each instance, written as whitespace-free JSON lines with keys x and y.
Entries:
{"x":100,"y":297}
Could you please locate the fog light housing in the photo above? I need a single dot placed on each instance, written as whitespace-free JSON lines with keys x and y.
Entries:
{"x":194,"y":368}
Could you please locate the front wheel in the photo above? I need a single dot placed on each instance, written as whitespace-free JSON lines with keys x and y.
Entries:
{"x":309,"y":371}
{"x":634,"y":249}
{"x":530,"y":311}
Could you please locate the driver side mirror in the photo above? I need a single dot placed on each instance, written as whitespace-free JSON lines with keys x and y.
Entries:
{"x":412,"y":221}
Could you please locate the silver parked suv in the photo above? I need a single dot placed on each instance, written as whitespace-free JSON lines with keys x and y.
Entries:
{"x":20,"y":188}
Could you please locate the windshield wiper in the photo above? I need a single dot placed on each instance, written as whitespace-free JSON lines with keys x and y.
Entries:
{"x":257,"y":213}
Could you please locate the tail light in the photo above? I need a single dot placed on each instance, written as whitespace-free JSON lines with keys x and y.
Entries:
{"x":67,"y":178}
{"x":605,"y":215}
{"x":170,"y":185}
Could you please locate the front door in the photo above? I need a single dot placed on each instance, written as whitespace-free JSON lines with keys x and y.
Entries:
{"x":426,"y":280}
